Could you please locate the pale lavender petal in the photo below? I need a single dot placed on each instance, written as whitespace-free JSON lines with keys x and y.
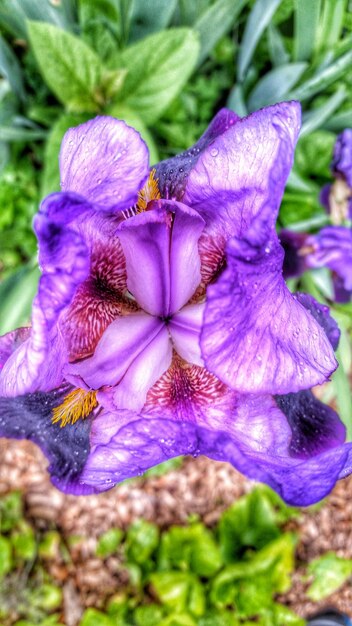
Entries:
{"x":145,"y":370}
{"x":256,"y":336}
{"x":185,"y":327}
{"x":105,"y":161}
{"x":124,"y":340}
{"x":172,"y":173}
{"x":162,"y":258}
{"x":229,"y":184}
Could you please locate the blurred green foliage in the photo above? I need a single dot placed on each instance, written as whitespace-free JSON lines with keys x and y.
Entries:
{"x":191,"y":575}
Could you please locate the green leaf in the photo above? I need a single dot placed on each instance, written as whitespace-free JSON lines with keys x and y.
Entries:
{"x":141,"y":541}
{"x":148,"y":615}
{"x":274,"y":85}
{"x":306,"y":26}
{"x":331,"y":24}
{"x":5,"y":556}
{"x":71,"y":69}
{"x":149,"y":19}
{"x":259,"y":18}
{"x":215,"y":22}
{"x":93,"y":617}
{"x":236,"y":101}
{"x":314,"y":153}
{"x":180,"y":591}
{"x":23,"y":542}
{"x":47,"y":597}
{"x":109,"y":542}
{"x":14,"y":14}
{"x":340,"y":121}
{"x":342,"y":387}
{"x":50,"y":176}
{"x":178,"y":619}
{"x":16,"y":295}
{"x":218,"y":618}
{"x":276,"y":47}
{"x":191,"y":547}
{"x":317,"y":117}
{"x":323,"y":78}
{"x":329,"y":572}
{"x":158,"y":67}
{"x":49,"y":547}
{"x":11,"y":511}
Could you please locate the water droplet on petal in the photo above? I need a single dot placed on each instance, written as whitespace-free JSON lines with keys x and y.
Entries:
{"x":214,"y":152}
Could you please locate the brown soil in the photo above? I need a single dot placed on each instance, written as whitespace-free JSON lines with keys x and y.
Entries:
{"x":200,"y":486}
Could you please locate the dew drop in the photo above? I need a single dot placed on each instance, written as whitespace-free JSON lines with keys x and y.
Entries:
{"x":214,"y":152}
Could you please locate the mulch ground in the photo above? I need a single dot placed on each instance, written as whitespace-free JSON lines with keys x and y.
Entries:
{"x":199,"y":486}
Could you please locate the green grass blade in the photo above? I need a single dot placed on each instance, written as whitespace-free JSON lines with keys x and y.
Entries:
{"x":257,"y":22}
{"x":306,"y":26}
{"x":323,"y":78}
{"x":215,"y":22}
{"x":275,"y":85}
{"x":317,"y":117}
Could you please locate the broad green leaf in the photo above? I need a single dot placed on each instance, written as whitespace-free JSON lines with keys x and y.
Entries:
{"x":178,"y":619}
{"x":148,"y":615}
{"x":329,"y":572}
{"x":323,"y":78}
{"x":23,"y":542}
{"x":189,"y":12}
{"x":47,"y":597}
{"x":50,"y":175}
{"x":298,"y":183}
{"x":141,"y":541}
{"x":302,"y":211}
{"x":5,"y":556}
{"x":317,"y":117}
{"x":158,"y":67}
{"x":192,"y":547}
{"x":151,"y":17}
{"x":100,"y":25}
{"x":10,"y":510}
{"x":306,"y":26}
{"x":215,"y":22}
{"x":71,"y":69}
{"x":259,"y":18}
{"x":16,"y":295}
{"x":93,"y":617}
{"x":275,"y":85}
{"x":11,"y":69}
{"x":218,"y":618}
{"x":179,"y":591}
{"x":109,"y":542}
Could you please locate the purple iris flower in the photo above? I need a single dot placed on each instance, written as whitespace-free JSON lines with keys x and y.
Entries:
{"x":162,"y":324}
{"x":332,"y":246}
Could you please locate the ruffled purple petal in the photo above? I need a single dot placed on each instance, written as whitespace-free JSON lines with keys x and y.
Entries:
{"x":342,"y":158}
{"x":30,"y":417}
{"x":121,"y":344}
{"x":172,"y":173}
{"x":321,"y":314}
{"x":256,"y":336}
{"x":11,"y":341}
{"x":37,"y":364}
{"x":162,"y":258}
{"x":332,"y":248}
{"x":245,"y":169}
{"x":105,"y":161}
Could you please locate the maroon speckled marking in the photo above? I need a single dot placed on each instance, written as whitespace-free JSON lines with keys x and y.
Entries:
{"x":184,"y":388}
{"x":212,"y":257}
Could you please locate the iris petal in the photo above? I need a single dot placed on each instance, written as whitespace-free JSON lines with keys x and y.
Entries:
{"x":256,"y":336}
{"x":185,"y":327}
{"x":105,"y":161}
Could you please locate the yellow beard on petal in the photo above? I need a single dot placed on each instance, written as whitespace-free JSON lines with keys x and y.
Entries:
{"x":149,"y":192}
{"x":78,"y":404}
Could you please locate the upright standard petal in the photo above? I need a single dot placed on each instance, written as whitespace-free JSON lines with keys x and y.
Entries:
{"x":105,"y":161}
{"x":229,"y":184}
{"x":332,"y":247}
{"x":256,"y":336}
{"x":162,"y":257}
